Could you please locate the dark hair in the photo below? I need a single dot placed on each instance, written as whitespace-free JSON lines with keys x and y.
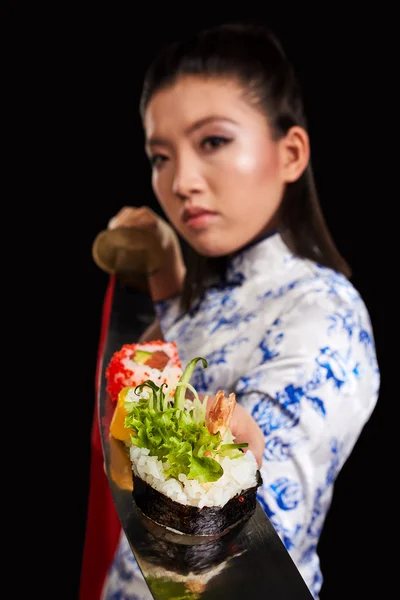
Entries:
{"x":254,"y":57}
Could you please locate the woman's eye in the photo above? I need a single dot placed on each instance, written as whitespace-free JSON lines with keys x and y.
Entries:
{"x":157,"y":160}
{"x":214,"y":141}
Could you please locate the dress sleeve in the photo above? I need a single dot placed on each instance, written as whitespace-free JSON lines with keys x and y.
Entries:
{"x":311,"y":384}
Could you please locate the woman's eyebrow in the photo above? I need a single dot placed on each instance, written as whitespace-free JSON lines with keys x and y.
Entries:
{"x":157,"y":141}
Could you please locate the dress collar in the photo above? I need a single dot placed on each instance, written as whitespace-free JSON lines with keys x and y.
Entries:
{"x":267,"y":257}
{"x":263,"y":257}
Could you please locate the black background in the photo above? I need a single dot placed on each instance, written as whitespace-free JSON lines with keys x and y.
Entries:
{"x":86,"y":77}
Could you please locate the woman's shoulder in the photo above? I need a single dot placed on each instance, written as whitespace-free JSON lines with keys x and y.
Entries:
{"x":317,"y":305}
{"x":308,"y":284}
{"x":326,"y":309}
{"x":321,"y":319}
{"x":335,"y":290}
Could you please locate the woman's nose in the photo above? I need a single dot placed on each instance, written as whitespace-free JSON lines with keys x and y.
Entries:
{"x":187,"y":180}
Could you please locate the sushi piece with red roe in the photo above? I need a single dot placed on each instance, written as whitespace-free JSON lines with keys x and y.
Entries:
{"x":135,"y":363}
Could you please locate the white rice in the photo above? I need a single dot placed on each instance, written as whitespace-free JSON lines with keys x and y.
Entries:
{"x":239,"y":475}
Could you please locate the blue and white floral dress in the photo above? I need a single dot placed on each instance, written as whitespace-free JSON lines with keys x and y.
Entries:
{"x":294,"y":342}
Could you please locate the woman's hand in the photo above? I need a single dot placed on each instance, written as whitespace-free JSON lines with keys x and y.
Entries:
{"x":145,"y":219}
{"x":139,"y":240}
{"x":246,"y":429}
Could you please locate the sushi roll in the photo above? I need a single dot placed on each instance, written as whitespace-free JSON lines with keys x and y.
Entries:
{"x":132,"y":365}
{"x":135,"y":363}
{"x":188,"y":473}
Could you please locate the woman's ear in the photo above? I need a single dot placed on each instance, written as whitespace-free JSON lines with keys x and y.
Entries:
{"x":295,"y":153}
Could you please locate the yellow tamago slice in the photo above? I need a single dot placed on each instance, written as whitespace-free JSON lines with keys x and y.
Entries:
{"x":117,"y":427}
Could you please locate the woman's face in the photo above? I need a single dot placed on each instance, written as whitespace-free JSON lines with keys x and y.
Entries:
{"x":217,"y":173}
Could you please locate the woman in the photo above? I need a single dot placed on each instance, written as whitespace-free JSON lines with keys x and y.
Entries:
{"x":263,"y":294}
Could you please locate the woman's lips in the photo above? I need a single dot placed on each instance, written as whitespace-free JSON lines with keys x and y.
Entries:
{"x":197,"y":218}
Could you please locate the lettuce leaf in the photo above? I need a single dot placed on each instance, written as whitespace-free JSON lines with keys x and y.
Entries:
{"x":204,"y":469}
{"x":176,"y":438}
{"x":175,"y":431}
